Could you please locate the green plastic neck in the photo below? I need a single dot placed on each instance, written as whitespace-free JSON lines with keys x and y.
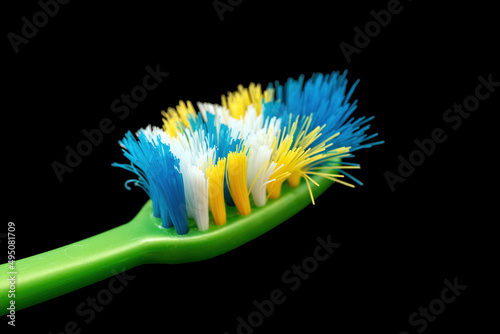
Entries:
{"x":142,"y":241}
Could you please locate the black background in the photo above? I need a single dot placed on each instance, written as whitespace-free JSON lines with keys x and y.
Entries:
{"x":396,"y":247}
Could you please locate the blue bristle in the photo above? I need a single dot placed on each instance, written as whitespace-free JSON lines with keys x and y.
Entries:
{"x":171,"y":188}
{"x":212,"y":132}
{"x":196,"y":122}
{"x":351,"y":177}
{"x":327,"y":99}
{"x":159,"y":176}
{"x":274,"y":109}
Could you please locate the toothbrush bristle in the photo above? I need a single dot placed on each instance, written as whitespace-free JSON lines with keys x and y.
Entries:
{"x":237,"y":180}
{"x":241,"y":152}
{"x":215,"y":174}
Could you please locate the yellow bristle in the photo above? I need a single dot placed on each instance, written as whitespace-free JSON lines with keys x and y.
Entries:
{"x":255,"y":93}
{"x":175,"y":119}
{"x":184,"y":110}
{"x":298,"y":159}
{"x":237,"y":181}
{"x":244,"y":92}
{"x":215,"y":175}
{"x":287,"y":155}
{"x":238,"y":102}
{"x":283,"y":156}
{"x":294,"y":178}
{"x":170,"y":122}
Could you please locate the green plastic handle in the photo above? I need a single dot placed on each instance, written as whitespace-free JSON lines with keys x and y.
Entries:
{"x":142,"y":241}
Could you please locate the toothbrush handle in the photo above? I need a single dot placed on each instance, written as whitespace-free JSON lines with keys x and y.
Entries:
{"x":44,"y":276}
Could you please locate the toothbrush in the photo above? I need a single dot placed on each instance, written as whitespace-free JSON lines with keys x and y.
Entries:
{"x":216,"y":180}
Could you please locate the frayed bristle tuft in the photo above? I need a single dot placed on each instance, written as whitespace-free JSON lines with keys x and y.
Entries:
{"x":158,"y":171}
{"x":241,"y":152}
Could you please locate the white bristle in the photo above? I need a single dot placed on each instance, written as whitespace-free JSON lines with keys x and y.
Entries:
{"x":196,"y":192}
{"x":272,"y":128}
{"x":221,"y":113}
{"x":153,"y":132}
{"x":258,"y":162}
{"x":247,"y":125}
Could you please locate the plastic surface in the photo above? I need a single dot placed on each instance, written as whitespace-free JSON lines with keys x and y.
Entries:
{"x":142,"y":241}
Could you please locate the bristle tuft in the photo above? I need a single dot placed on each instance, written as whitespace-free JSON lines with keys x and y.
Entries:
{"x":201,"y":161}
